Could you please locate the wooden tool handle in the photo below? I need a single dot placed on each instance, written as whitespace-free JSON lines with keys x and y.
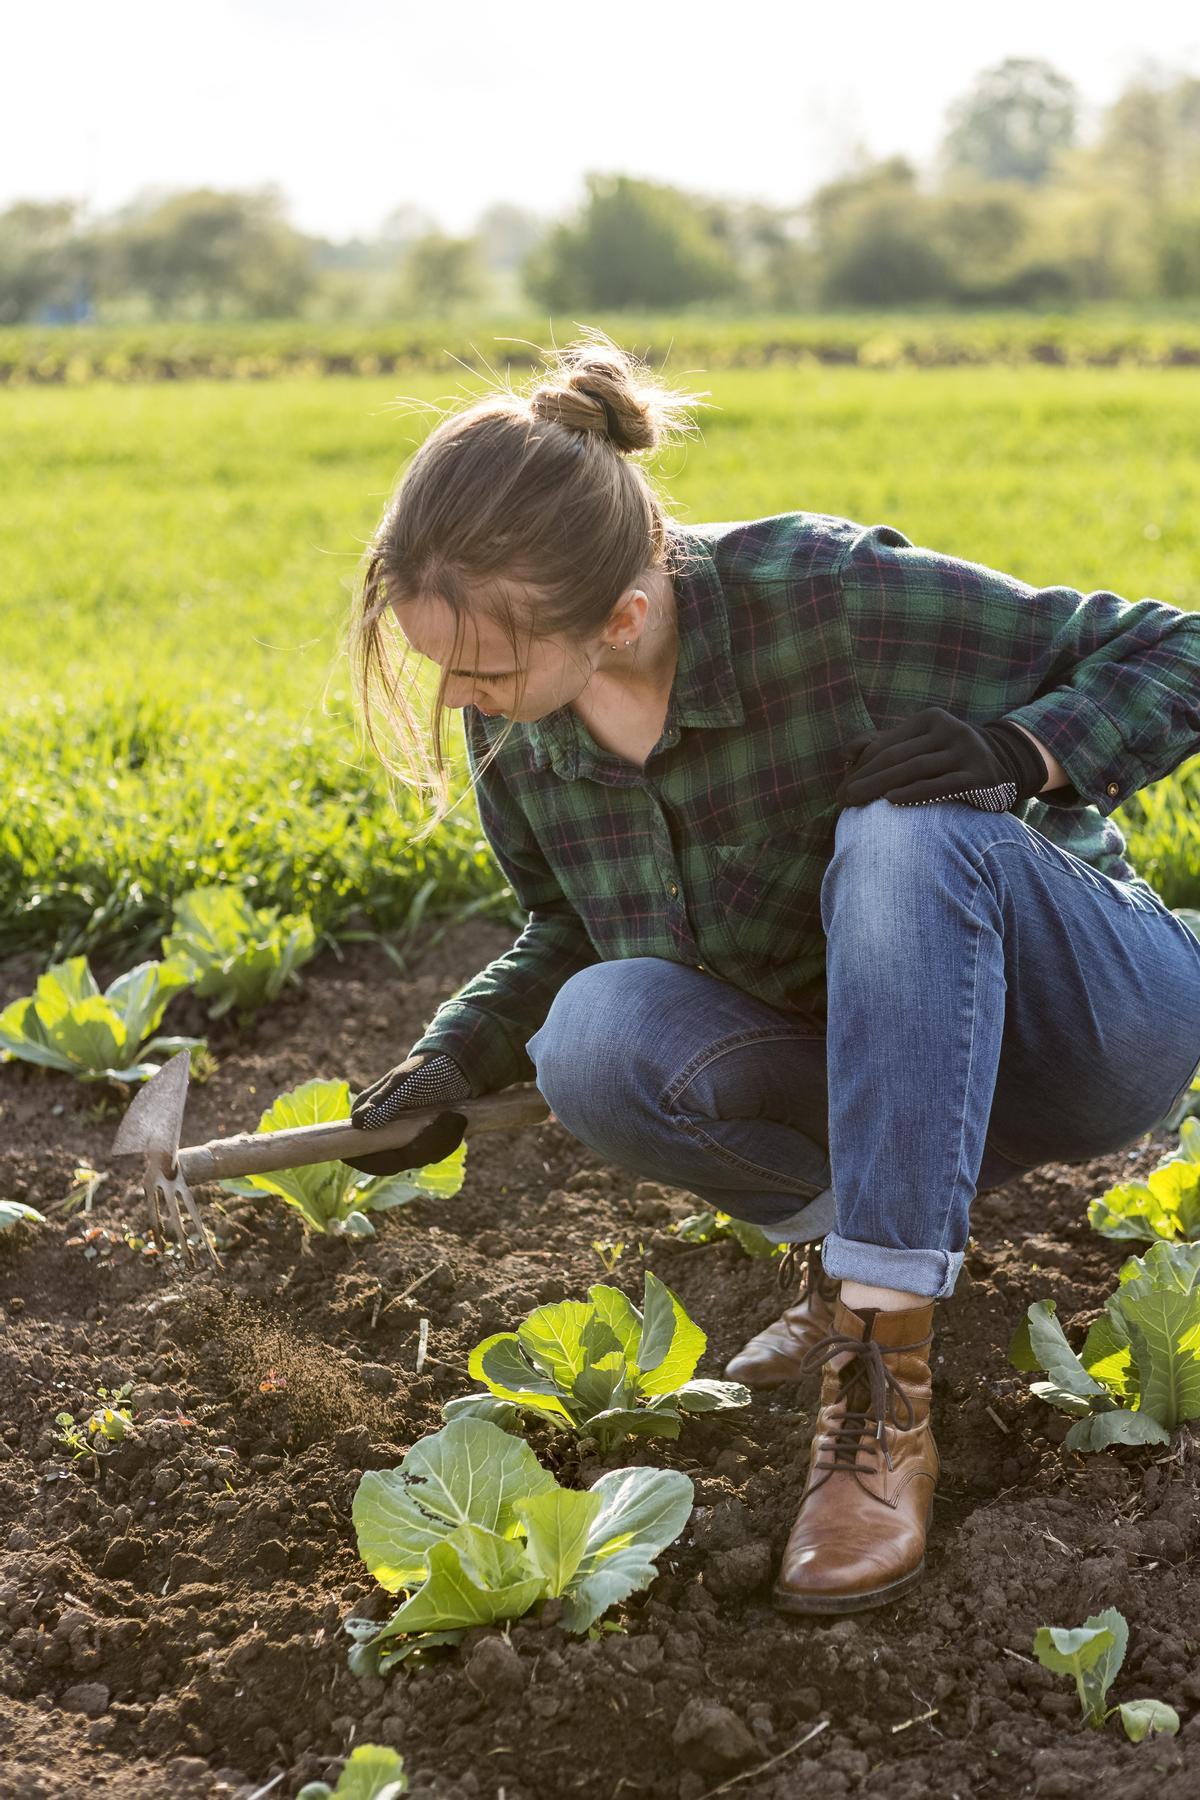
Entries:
{"x":258,"y":1152}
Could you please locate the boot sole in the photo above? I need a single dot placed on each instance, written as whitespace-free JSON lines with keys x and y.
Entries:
{"x":784,"y":1600}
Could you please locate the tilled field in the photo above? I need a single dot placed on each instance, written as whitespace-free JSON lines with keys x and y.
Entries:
{"x":171,"y":1625}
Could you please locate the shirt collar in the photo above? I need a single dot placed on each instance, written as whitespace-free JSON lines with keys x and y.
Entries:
{"x":704,"y":691}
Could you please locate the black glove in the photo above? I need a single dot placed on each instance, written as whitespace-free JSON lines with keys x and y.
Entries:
{"x":934,"y":756}
{"x":421,"y":1080}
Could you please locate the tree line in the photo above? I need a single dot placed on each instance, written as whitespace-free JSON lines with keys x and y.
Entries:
{"x":1017,"y":210}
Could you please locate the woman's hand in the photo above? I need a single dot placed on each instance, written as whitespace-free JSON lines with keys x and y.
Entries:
{"x":421,"y":1080}
{"x":935,"y":756}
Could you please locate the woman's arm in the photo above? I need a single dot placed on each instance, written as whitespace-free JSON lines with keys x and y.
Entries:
{"x":1057,"y":776}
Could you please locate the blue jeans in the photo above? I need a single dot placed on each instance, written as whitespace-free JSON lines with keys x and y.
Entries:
{"x":994,"y":1003}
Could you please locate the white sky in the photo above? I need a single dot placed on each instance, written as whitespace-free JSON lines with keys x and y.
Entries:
{"x":356,"y":106}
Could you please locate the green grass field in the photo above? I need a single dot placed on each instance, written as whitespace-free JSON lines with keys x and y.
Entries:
{"x":176,"y":560}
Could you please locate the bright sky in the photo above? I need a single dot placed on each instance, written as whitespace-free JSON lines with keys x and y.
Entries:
{"x":355,"y":107}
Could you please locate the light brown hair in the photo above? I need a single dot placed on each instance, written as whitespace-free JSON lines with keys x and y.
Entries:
{"x":536,"y":489}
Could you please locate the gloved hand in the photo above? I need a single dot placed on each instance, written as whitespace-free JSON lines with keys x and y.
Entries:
{"x":934,"y":756}
{"x":420,"y":1080}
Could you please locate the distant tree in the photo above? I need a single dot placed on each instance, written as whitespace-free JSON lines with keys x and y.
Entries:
{"x":403,"y":226}
{"x":507,"y":234}
{"x":633,"y":243}
{"x":1013,"y":123}
{"x":441,"y":273}
{"x":204,"y":251}
{"x":47,"y":260}
{"x":1150,"y":139}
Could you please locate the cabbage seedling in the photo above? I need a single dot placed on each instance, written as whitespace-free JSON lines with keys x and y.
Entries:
{"x":68,"y":1024}
{"x":1165,"y":1205}
{"x":331,"y":1196}
{"x":599,"y":1367}
{"x":108,"y":1425}
{"x":235,"y":955}
{"x":705,"y":1227}
{"x":370,"y":1772}
{"x":476,"y":1530}
{"x":1138,"y":1375}
{"x":1093,"y":1653}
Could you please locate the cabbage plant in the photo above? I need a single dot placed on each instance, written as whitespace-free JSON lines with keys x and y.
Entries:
{"x":1137,"y":1376}
{"x":68,"y":1024}
{"x":599,"y":1367}
{"x":1092,"y":1653}
{"x":331,"y":1196}
{"x":707,"y":1226}
{"x":473,"y":1529}
{"x":237,"y":955}
{"x":1165,"y":1205}
{"x":370,"y":1772}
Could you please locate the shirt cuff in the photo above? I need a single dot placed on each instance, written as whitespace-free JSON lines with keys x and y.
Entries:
{"x":1087,"y":744}
{"x":480,"y":1046}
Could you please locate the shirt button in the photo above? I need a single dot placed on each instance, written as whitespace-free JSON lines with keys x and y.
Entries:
{"x":673,"y":888}
{"x":1112,"y":789}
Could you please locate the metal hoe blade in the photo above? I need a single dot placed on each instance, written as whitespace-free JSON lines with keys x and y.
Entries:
{"x":151,"y":1129}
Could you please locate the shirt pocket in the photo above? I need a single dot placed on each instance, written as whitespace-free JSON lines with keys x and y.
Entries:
{"x":767,"y":901}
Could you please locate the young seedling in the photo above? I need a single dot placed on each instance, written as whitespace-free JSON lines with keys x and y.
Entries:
{"x":68,"y":1024}
{"x":600,"y":1368}
{"x":473,"y":1525}
{"x":610,"y":1254}
{"x":371,"y":1772}
{"x":707,"y":1226}
{"x":1165,"y":1205}
{"x":234,"y":954}
{"x":106,"y":1428}
{"x":1092,"y":1653}
{"x":1137,"y":1377}
{"x":331,"y":1196}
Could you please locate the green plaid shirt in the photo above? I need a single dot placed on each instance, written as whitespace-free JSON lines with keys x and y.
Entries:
{"x":796,"y":632}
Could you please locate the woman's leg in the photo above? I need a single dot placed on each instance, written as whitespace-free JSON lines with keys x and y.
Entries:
{"x":982,"y":980}
{"x":680,"y":1077}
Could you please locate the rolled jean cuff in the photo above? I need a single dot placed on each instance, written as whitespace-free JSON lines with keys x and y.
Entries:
{"x":929,"y":1272}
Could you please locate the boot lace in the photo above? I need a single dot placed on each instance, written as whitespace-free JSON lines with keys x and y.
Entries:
{"x":802,"y":1263}
{"x":852,"y":1432}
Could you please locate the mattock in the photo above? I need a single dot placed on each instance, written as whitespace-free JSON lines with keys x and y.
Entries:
{"x":152,"y":1125}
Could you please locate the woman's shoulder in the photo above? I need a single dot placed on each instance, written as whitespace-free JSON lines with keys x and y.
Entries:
{"x":780,"y":547}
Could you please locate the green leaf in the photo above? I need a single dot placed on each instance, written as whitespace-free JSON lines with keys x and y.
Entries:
{"x":437,"y":1181}
{"x":643,"y":1511}
{"x":499,"y":1362}
{"x":557,"y":1524}
{"x":234,"y":954}
{"x":671,"y":1343}
{"x":15,"y":1212}
{"x":1147,"y":1718}
{"x":1050,"y":1350}
{"x":1164,"y":1333}
{"x":448,"y":1596}
{"x":371,"y":1772}
{"x":504,"y":1413}
{"x":620,"y":1315}
{"x":1099,"y":1431}
{"x":1092,"y":1652}
{"x":704,"y":1395}
{"x":470,"y":1472}
{"x":140,"y":996}
{"x":552,"y":1338}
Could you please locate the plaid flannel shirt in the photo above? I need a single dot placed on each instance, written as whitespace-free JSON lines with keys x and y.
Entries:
{"x":796,"y":632}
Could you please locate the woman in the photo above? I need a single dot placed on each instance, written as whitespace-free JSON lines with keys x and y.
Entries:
{"x":833,"y":1010}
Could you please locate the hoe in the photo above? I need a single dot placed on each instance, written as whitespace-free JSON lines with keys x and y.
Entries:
{"x":151,"y":1128}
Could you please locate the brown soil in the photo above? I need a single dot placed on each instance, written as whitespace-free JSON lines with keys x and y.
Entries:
{"x":190,"y":1592}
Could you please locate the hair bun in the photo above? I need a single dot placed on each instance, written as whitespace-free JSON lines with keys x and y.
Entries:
{"x":598,"y":390}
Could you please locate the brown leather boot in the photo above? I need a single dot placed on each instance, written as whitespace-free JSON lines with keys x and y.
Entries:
{"x":775,"y":1354}
{"x":859,"y":1537}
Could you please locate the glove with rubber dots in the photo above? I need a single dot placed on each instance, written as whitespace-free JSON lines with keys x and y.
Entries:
{"x":934,"y":756}
{"x":421,"y":1080}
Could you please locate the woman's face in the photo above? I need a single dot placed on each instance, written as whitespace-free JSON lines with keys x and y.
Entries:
{"x":486,"y":674}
